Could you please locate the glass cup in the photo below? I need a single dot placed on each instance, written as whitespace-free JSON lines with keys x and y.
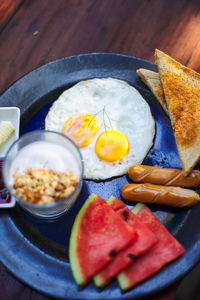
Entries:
{"x":47,"y":150}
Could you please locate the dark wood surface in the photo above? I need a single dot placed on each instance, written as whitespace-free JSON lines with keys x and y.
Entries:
{"x":35,"y":32}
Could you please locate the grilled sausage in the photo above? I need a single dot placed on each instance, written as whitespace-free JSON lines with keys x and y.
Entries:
{"x":151,"y":193}
{"x":164,"y":176}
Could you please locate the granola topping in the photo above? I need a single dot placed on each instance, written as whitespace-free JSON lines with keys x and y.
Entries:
{"x":44,"y":186}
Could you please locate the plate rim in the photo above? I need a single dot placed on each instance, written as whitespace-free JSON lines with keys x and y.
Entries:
{"x":5,"y":218}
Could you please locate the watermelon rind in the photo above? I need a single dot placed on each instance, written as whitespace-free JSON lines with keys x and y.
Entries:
{"x":172,"y":250}
{"x":137,"y":208}
{"x":73,"y":259}
{"x":121,"y":278}
{"x":123,"y":282}
{"x":102,"y":278}
{"x":108,"y":233}
{"x":110,"y":199}
{"x":98,"y":281}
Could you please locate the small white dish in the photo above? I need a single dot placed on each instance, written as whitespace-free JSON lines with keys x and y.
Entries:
{"x":11,"y":114}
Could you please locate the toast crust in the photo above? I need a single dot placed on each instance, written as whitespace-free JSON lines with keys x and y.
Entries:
{"x":181,"y":87}
{"x":152,"y":80}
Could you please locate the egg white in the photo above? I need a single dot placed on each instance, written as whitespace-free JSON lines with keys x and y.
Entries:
{"x":117,"y":106}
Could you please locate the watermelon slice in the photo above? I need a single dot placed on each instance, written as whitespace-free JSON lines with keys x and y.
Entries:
{"x":163,"y":252}
{"x":146,"y":239}
{"x":98,"y":233}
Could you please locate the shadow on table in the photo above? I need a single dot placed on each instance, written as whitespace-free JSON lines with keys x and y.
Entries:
{"x":190,"y":286}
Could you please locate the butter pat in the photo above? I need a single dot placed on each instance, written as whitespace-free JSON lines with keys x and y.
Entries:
{"x":6,"y":130}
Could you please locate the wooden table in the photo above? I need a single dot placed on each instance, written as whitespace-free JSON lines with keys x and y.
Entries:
{"x":35,"y":32}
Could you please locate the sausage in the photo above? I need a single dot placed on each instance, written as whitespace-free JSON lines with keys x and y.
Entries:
{"x":164,"y":176}
{"x":151,"y":193}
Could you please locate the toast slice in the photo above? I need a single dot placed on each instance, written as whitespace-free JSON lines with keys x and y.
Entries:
{"x":152,"y":80}
{"x":181,"y":87}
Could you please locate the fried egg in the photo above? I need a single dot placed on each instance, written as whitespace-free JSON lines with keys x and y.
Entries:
{"x":109,"y":121}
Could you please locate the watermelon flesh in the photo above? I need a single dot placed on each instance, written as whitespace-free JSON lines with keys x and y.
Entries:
{"x":163,"y":252}
{"x":145,"y":240}
{"x":98,"y":233}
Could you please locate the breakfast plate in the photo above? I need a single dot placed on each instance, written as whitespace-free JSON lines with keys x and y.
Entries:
{"x":36,"y":250}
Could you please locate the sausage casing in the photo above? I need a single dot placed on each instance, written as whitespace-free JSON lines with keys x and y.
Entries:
{"x":151,"y":193}
{"x":164,"y":176}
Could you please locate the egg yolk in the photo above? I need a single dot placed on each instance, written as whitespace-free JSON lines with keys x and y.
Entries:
{"x":111,"y":146}
{"x":81,"y":128}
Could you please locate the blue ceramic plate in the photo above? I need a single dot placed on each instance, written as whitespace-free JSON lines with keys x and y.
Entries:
{"x":35,"y":251}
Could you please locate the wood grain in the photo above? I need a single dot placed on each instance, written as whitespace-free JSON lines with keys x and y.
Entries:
{"x":194,"y":60}
{"x":39,"y":33}
{"x":35,"y":32}
{"x":7,"y":10}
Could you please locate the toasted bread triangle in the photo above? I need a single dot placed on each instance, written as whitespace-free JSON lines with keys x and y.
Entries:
{"x":152,"y":80}
{"x":181,"y":87}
